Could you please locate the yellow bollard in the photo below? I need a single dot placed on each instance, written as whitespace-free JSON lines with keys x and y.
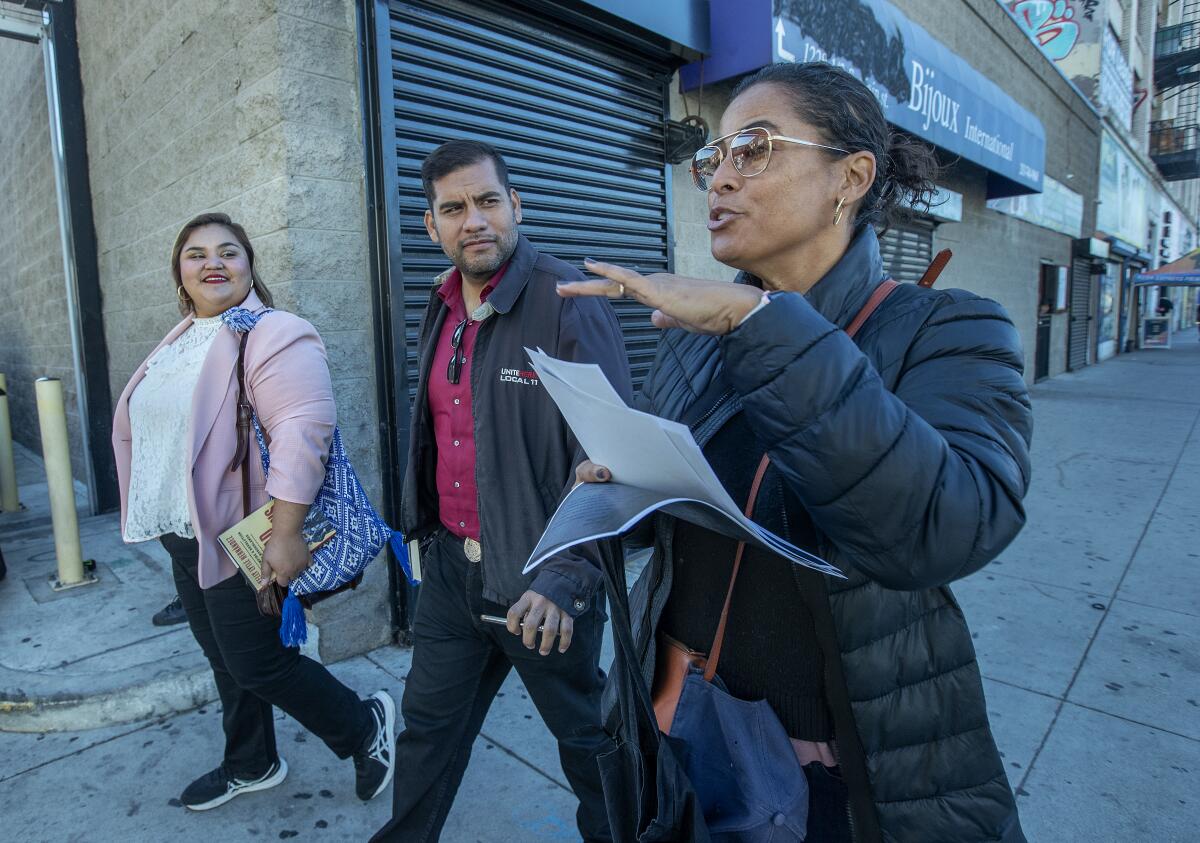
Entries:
{"x":56,"y":453}
{"x":9,"y":502}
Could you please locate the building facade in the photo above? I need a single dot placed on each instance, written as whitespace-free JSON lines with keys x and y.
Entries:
{"x":307,"y":122}
{"x":1017,"y":142}
{"x":1134,"y":60}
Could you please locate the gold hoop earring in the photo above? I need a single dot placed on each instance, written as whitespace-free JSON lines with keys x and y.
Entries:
{"x":837,"y":212}
{"x":182,"y":296}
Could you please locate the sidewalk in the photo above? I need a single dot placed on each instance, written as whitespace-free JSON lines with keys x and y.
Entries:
{"x":1088,"y":626}
{"x":115,"y":714}
{"x":88,"y":656}
{"x":1087,"y":630}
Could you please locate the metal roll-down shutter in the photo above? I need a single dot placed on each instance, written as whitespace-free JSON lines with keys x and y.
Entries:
{"x":907,"y":250}
{"x":1080,"y":320}
{"x":578,"y":119}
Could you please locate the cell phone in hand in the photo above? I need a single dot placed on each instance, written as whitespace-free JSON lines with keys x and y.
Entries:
{"x":499,"y":621}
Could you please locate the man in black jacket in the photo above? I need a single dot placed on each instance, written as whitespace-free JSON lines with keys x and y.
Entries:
{"x":489,"y":459}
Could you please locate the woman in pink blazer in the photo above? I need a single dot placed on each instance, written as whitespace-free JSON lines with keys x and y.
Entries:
{"x":174,"y":436}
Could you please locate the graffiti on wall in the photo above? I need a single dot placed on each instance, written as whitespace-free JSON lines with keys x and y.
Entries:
{"x":850,"y":31}
{"x":1068,"y":32}
{"x":1052,"y":24}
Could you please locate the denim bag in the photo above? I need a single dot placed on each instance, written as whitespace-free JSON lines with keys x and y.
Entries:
{"x":741,"y":764}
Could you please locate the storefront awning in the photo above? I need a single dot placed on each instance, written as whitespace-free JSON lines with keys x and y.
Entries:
{"x":1184,"y":272}
{"x":924,"y":88}
{"x":683,"y":23}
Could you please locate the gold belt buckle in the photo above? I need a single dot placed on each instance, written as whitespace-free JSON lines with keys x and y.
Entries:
{"x":473,"y":550}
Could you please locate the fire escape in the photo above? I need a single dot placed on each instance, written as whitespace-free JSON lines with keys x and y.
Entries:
{"x":1175,"y":141}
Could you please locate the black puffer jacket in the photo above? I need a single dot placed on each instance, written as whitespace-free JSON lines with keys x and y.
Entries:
{"x":909,"y":452}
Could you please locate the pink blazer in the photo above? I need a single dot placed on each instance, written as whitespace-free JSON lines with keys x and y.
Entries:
{"x":287,"y":379}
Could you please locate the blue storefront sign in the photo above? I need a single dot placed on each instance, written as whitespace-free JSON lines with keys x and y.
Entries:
{"x":924,"y":88}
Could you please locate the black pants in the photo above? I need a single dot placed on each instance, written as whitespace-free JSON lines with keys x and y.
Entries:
{"x":458,"y":665}
{"x":828,"y":805}
{"x":254,"y":671}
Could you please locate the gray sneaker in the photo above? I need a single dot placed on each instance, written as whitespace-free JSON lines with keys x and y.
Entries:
{"x":172,"y":613}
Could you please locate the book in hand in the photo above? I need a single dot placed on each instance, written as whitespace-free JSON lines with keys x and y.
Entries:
{"x":415,"y":572}
{"x":246,"y":540}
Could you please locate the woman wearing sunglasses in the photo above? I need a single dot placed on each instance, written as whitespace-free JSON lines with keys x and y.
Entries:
{"x":900,"y":455}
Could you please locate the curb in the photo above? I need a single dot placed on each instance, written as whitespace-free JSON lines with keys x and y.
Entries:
{"x":57,"y":701}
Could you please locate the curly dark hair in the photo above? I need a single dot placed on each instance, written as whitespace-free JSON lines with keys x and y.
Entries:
{"x":847,"y":114}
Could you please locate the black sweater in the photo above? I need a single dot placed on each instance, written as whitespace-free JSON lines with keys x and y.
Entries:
{"x":770,"y":650}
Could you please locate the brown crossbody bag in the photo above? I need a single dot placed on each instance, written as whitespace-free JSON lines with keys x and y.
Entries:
{"x":675,"y":660}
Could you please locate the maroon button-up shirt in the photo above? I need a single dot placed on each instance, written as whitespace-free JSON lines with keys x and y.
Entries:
{"x":453,"y":415}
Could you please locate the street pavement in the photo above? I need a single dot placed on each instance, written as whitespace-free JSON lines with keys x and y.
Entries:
{"x":1087,"y":630}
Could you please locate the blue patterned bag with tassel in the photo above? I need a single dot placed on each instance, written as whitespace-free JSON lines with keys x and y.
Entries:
{"x":360,"y":534}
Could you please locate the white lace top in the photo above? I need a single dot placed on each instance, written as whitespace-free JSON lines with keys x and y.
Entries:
{"x":159,"y":412}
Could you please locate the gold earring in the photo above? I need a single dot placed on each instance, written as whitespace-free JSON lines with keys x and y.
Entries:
{"x":837,"y":212}
{"x":183,"y":297}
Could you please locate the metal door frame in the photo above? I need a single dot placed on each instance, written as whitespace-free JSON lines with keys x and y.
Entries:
{"x":77,"y":234}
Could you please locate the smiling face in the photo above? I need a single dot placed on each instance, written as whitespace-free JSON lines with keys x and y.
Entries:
{"x":215,"y":270}
{"x":768,"y":224}
{"x":475,"y":220}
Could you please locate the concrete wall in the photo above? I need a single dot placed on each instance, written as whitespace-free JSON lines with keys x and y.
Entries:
{"x":250,"y":108}
{"x":693,"y":256}
{"x":35,"y":334}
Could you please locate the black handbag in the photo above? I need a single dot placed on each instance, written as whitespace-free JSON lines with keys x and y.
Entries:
{"x":646,"y":792}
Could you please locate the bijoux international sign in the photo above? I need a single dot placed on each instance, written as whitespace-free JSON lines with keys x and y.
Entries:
{"x":923,"y":87}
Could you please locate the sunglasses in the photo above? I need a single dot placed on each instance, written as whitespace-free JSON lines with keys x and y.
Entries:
{"x":458,"y":353}
{"x":749,"y":150}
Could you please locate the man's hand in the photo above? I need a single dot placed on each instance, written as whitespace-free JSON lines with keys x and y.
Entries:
{"x":534,"y":610}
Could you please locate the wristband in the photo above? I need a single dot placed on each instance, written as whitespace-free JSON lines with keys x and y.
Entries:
{"x":763,"y":302}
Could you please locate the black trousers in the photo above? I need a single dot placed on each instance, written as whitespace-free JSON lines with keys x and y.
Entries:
{"x":254,"y":671}
{"x":828,"y":805}
{"x":458,"y":665}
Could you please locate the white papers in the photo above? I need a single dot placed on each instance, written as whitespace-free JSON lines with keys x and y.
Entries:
{"x":655,"y":464}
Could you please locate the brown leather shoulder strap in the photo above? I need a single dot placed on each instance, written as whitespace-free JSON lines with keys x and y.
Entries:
{"x":714,"y":653}
{"x":935,"y":268}
{"x":241,"y":454}
{"x":884,"y":290}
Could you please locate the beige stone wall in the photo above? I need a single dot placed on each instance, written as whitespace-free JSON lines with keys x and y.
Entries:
{"x":692,"y":255}
{"x":250,"y":108}
{"x":35,"y":334}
